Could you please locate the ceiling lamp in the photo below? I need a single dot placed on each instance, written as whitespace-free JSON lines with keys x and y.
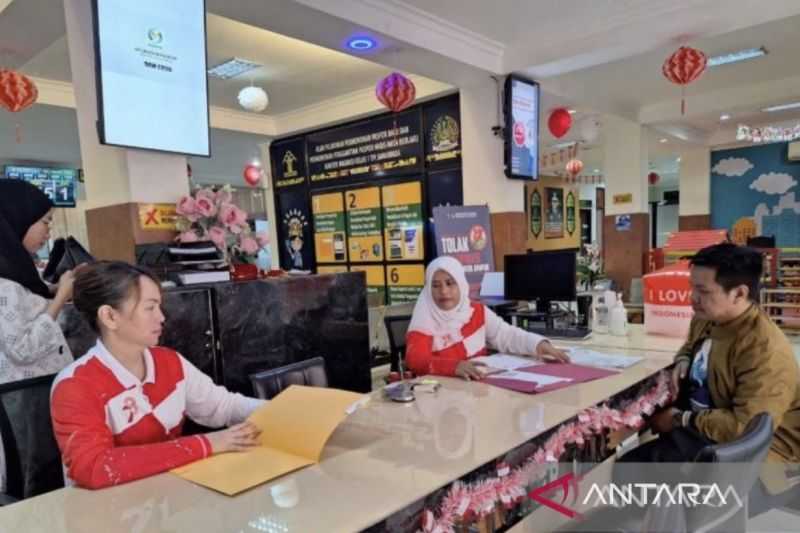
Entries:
{"x":232,"y":68}
{"x":362,"y":43}
{"x":781,"y":107}
{"x":735,"y":57}
{"x":253,"y":99}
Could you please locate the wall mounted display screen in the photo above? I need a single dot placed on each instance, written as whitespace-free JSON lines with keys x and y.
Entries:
{"x":57,"y":183}
{"x":152,"y":90}
{"x":521,"y":108}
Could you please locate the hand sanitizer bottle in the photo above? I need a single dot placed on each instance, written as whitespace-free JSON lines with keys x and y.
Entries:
{"x":618,"y":318}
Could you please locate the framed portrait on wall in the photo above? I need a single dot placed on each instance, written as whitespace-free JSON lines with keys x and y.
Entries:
{"x":554,"y":213}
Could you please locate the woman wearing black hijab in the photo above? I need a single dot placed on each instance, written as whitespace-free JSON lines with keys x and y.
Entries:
{"x":31,"y":342}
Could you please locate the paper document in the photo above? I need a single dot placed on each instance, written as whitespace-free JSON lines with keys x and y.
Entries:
{"x":504,"y":361}
{"x":295,"y":425}
{"x":583,"y":356}
{"x":530,"y":377}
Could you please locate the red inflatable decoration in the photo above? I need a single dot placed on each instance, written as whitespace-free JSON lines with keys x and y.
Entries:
{"x":560,"y":122}
{"x":396,"y":92}
{"x":574,"y":167}
{"x":683,"y":67}
{"x":252,"y":175}
{"x":17,"y":91}
{"x":653,"y":178}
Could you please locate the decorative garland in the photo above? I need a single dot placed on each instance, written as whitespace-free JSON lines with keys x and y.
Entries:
{"x":468,"y":502}
{"x":767,"y":134}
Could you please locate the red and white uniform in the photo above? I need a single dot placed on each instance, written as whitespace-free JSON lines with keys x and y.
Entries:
{"x":441,"y":353}
{"x":113,"y":428}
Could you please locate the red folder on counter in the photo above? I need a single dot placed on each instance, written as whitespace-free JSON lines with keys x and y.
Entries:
{"x":524,"y":379}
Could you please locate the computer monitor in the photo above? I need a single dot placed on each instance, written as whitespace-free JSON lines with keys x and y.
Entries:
{"x":541,"y":276}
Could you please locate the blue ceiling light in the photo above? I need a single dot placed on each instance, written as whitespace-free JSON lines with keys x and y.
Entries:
{"x":361,"y":43}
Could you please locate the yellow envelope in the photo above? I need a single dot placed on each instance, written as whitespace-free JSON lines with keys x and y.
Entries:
{"x":295,"y":426}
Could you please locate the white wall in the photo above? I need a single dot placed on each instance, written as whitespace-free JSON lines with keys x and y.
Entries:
{"x":482,"y":152}
{"x":695,"y":181}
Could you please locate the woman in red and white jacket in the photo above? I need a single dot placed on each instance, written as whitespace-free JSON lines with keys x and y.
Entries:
{"x":447,"y":330}
{"x":118,"y":411}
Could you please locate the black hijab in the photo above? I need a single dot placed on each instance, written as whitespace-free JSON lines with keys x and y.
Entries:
{"x":21,"y":206}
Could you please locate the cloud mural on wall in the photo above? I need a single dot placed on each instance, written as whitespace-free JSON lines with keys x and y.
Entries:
{"x":732,"y":167}
{"x":773,"y":183}
{"x":786,"y":203}
{"x":761,"y":211}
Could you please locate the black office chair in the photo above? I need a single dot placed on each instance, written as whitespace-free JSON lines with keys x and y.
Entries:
{"x":33,"y":460}
{"x":761,"y":241}
{"x":711,"y":465}
{"x":748,"y":453}
{"x":269,"y":383}
{"x":396,"y":329}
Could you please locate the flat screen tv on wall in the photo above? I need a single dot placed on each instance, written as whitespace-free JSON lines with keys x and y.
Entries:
{"x":150,"y":65}
{"x":57,"y":183}
{"x":521,"y":111}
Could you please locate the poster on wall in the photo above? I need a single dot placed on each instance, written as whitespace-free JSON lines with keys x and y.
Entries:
{"x":442,"y":121}
{"x":404,"y":283}
{"x":288,"y":163}
{"x":364,"y":225}
{"x":754,"y":192}
{"x":376,"y":283}
{"x":295,"y":231}
{"x":464,"y":232}
{"x":329,"y":227}
{"x":388,"y":145}
{"x":571,"y":212}
{"x":403,"y":222}
{"x":554,"y":213}
{"x":536,"y":213}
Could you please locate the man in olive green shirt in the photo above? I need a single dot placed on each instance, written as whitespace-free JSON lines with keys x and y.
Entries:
{"x":735,"y":364}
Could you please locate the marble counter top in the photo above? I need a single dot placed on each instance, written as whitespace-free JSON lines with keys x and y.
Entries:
{"x":380,"y":460}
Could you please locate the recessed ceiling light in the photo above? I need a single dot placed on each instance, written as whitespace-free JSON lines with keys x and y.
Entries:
{"x":678,"y":160}
{"x":232,"y":68}
{"x":735,"y":57}
{"x":725,"y":116}
{"x":662,"y":140}
{"x":596,"y":171}
{"x":361,"y":43}
{"x":781,"y":107}
{"x":571,"y":111}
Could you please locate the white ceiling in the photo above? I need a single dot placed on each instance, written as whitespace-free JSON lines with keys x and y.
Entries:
{"x":602,"y":56}
{"x":295,"y":74}
{"x":48,"y":136}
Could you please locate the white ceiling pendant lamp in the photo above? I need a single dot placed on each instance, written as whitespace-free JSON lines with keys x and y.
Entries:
{"x":253,"y":99}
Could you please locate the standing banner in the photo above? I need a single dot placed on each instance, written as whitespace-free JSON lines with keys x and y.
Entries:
{"x":465,"y":233}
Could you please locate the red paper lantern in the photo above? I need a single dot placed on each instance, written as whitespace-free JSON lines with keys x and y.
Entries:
{"x":574,"y":167}
{"x":653,"y":178}
{"x":17,"y":91}
{"x":396,"y":92}
{"x":252,"y":175}
{"x":560,"y":122}
{"x":683,"y":67}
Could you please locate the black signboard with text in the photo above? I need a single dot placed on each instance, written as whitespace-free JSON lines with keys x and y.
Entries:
{"x":442,"y":122}
{"x":288,"y":163}
{"x":386,"y":146}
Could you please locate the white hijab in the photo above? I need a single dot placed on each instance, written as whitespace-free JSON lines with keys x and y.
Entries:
{"x":428,"y":318}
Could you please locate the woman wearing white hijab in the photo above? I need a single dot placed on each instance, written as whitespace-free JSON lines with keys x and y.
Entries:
{"x":447,"y":329}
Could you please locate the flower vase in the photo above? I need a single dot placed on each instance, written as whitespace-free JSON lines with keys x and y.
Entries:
{"x":244,"y":271}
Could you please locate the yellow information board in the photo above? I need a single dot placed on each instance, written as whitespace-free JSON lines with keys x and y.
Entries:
{"x":331,"y":269}
{"x":376,"y":283}
{"x":364,"y":225}
{"x":404,"y":282}
{"x":403,"y":222}
{"x":329,"y":232}
{"x":157,"y":216}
